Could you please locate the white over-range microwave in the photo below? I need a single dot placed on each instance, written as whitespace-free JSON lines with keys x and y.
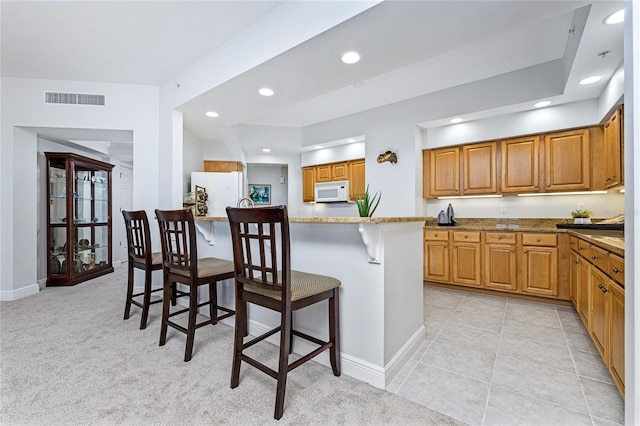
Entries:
{"x":332,"y":192}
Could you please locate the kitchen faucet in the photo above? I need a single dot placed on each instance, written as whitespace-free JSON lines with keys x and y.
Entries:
{"x":247,"y":199}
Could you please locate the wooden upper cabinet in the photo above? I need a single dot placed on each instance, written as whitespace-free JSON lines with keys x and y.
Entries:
{"x":520,"y":164}
{"x":339,"y":171}
{"x":479,"y":169}
{"x":444,"y":171}
{"x":308,"y":184}
{"x":567,"y":160}
{"x":613,"y":151}
{"x":356,"y":178}
{"x":323,"y":173}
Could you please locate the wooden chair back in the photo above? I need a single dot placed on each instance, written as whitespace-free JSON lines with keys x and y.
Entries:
{"x":138,"y":238}
{"x":178,"y":241}
{"x":255,"y":234}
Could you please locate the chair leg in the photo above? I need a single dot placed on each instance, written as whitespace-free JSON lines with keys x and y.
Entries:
{"x":283,"y":364}
{"x":291,"y":336}
{"x":191,"y":327}
{"x":240,"y":332}
{"x":146,"y":299}
{"x":174,"y":293}
{"x":166,"y":297}
{"x":334,"y":331}
{"x":213,"y":302}
{"x":127,"y":305}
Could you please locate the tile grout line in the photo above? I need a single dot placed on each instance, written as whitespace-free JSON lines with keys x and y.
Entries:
{"x":586,"y":402}
{"x":495,"y":362}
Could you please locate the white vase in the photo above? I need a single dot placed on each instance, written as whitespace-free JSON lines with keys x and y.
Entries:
{"x":581,"y":220}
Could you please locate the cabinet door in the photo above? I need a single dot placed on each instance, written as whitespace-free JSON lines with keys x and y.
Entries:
{"x":466,"y":264}
{"x":323,"y":173}
{"x":584,"y":291}
{"x":479,"y":169}
{"x":308,"y":184}
{"x":616,"y":336}
{"x":436,"y":261}
{"x":599,"y":310}
{"x":444,"y":172}
{"x":500,"y":267}
{"x":540,"y":270}
{"x":356,"y":179}
{"x":339,"y":171}
{"x":574,"y":273}
{"x":567,"y":160}
{"x":520,"y":164}
{"x":612,"y":151}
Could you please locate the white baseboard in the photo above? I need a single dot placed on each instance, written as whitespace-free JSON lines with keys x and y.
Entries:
{"x":403,"y":356}
{"x":30,"y":290}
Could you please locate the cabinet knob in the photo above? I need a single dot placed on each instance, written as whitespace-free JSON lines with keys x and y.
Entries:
{"x":446,"y":246}
{"x":499,"y":237}
{"x":608,"y":179}
{"x":575,"y":262}
{"x":466,"y":236}
{"x":435,"y":235}
{"x":616,"y":270}
{"x":513,"y":251}
{"x":580,"y":248}
{"x":538,"y":239}
{"x":594,"y":257}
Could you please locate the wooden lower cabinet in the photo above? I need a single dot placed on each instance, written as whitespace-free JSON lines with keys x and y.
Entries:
{"x":540,"y":270}
{"x":600,"y":303}
{"x":500,"y":266}
{"x":465,"y":255}
{"x":436,"y":256}
{"x":616,"y":338}
{"x":599,"y":309}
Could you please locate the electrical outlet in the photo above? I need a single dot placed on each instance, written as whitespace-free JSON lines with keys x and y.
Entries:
{"x":581,"y":206}
{"x":503,"y":209}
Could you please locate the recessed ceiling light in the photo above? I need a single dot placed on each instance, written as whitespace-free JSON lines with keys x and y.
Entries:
{"x":542,"y":104}
{"x":457,"y":120}
{"x":615,"y":18}
{"x":265,"y":91}
{"x":590,"y":80}
{"x":351,"y":58}
{"x":211,"y":114}
{"x":266,"y":150}
{"x":317,"y":147}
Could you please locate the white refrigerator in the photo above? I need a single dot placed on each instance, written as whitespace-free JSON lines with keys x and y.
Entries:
{"x":223,"y":189}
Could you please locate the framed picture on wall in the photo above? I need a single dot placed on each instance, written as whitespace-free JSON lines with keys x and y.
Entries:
{"x":260,"y":193}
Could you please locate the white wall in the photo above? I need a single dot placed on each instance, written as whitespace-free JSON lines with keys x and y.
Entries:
{"x":127,"y":107}
{"x":270,"y":174}
{"x":192,"y":160}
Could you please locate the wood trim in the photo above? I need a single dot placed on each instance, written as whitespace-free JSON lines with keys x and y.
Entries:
{"x":223,"y":166}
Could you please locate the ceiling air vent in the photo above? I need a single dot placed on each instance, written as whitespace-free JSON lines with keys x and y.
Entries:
{"x":73,"y":98}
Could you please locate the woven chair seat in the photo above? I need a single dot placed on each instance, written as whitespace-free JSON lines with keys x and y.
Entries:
{"x":156,"y":258}
{"x":207,"y":267}
{"x":303,"y":285}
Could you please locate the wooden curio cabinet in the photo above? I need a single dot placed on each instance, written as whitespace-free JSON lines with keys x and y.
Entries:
{"x":78,"y":218}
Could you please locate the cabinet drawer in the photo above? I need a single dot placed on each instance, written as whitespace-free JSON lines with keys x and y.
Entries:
{"x":436,"y":235}
{"x":600,"y":258}
{"x":500,"y":238}
{"x":573,"y":243}
{"x":547,"y":240}
{"x":470,"y":237}
{"x":584,"y":248}
{"x":616,"y":268}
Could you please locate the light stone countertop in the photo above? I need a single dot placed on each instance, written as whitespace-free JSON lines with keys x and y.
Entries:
{"x":332,"y":219}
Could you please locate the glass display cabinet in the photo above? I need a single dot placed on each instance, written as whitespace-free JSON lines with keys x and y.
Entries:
{"x":78,"y":218}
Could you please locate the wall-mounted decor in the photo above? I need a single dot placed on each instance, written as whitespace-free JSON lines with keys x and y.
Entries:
{"x":260,"y":193}
{"x":388,"y":156}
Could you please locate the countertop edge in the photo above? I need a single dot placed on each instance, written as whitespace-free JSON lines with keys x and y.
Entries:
{"x":331,"y":219}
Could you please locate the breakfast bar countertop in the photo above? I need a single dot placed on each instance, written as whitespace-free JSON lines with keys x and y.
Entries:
{"x":333,"y":219}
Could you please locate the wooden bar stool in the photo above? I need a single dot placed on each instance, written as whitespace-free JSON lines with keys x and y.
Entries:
{"x":181,"y":265}
{"x":264,"y":277}
{"x":141,"y":257}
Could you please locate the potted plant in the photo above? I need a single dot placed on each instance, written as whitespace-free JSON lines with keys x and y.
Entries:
{"x":366,"y":204}
{"x":581,"y":216}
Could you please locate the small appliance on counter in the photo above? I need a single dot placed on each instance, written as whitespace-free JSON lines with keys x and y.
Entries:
{"x":447,"y":218}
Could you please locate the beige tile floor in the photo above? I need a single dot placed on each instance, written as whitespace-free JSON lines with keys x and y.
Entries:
{"x":490,"y":360}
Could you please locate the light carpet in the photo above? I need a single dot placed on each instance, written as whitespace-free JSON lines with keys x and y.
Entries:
{"x":68,"y":358}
